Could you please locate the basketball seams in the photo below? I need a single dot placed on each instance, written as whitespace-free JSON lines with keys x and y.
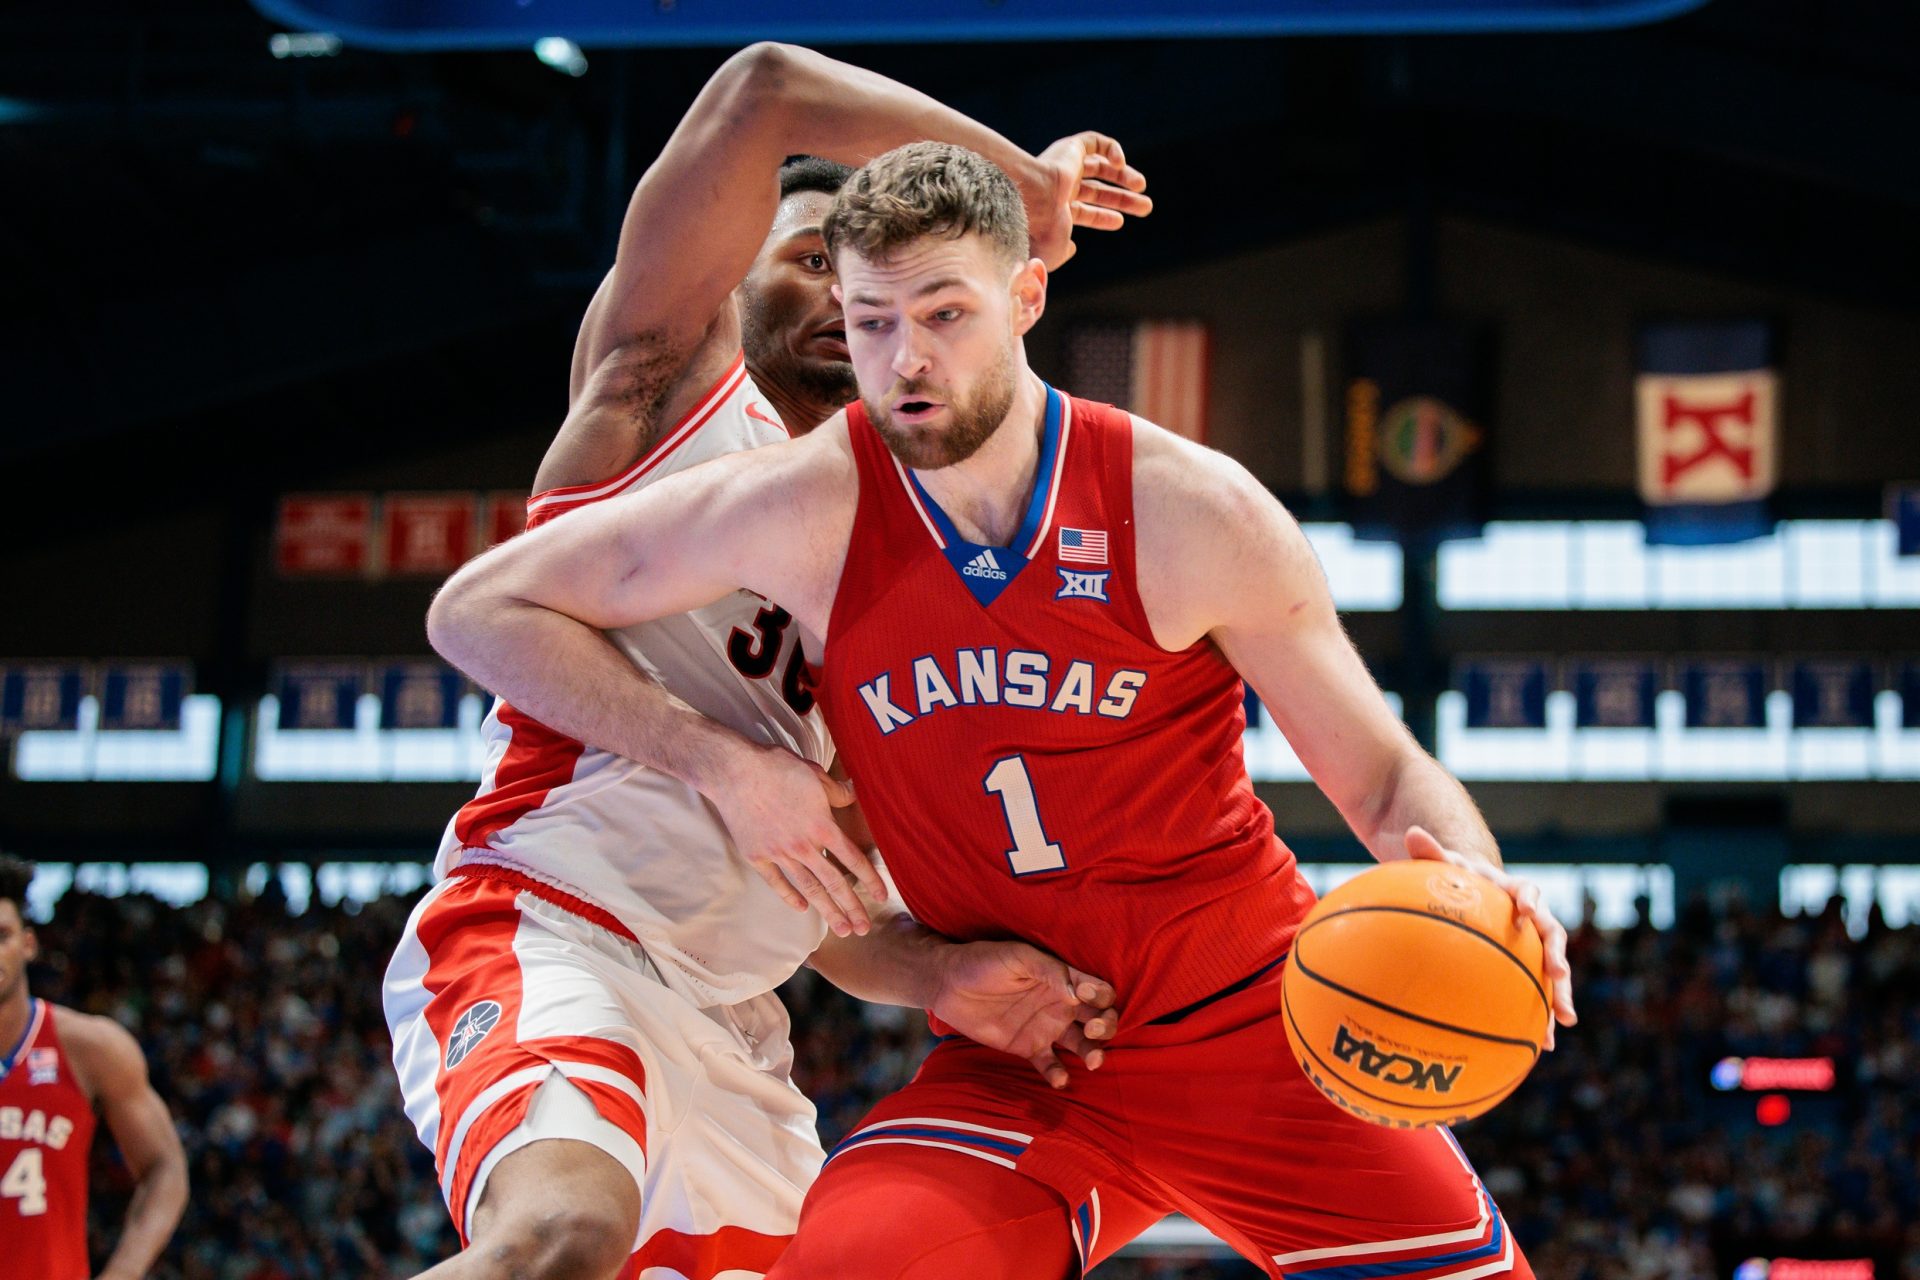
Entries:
{"x":1398,"y":1012}
{"x":1518,"y":963}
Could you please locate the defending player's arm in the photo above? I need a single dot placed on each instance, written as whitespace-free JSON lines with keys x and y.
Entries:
{"x":1263,"y":599}
{"x":701,"y":212}
{"x":143,"y":1129}
{"x":527,"y":621}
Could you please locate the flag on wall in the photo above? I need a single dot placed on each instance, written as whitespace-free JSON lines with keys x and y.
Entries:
{"x":1158,"y":369}
{"x":1833,"y":693}
{"x":318,"y":695}
{"x":1504,"y":693}
{"x":1614,"y":693}
{"x":146,"y":695}
{"x":1707,"y":401}
{"x":41,"y":696}
{"x":1418,"y":399}
{"x":1725,"y":694}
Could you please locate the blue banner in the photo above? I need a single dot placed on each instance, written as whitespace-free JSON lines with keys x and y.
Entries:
{"x":41,"y":696}
{"x":1418,"y":402}
{"x":1910,"y":695}
{"x":516,"y":24}
{"x":1833,"y":693}
{"x":1614,"y":693}
{"x":143,"y":696}
{"x":1725,"y":694}
{"x":1706,"y":398}
{"x":1903,"y":508}
{"x":318,"y":695}
{"x":420,"y":695}
{"x":1504,"y":693}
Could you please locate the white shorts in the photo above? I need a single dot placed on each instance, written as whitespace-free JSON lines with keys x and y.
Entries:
{"x":518,"y":1014}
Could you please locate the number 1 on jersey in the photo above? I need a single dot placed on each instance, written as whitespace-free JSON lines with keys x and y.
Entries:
{"x":1031,"y":851}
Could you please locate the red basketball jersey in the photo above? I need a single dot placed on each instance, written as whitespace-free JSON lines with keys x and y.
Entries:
{"x":1032,"y":763}
{"x":46,"y":1131}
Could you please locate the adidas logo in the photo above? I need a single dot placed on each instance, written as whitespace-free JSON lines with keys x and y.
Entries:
{"x":985,"y":566}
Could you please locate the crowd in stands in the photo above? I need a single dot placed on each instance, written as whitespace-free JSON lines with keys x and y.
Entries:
{"x":1615,"y":1161}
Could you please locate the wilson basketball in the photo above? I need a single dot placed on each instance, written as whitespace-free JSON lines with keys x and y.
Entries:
{"x":1413,"y":996}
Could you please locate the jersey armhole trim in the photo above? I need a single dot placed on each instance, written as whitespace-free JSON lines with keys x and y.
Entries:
{"x":548,"y":503}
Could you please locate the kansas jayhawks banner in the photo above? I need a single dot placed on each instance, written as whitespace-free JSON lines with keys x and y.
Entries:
{"x":1417,"y":407}
{"x":1707,"y":399}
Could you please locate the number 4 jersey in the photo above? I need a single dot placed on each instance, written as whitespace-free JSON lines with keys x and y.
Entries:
{"x":1032,"y":763}
{"x":46,"y":1131}
{"x":634,"y":843}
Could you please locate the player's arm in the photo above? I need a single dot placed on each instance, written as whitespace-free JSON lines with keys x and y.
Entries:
{"x":1239,"y":570}
{"x":143,"y":1129}
{"x":1006,"y":995}
{"x":527,"y":621}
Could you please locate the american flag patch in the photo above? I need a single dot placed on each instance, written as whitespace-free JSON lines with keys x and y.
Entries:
{"x":1083,"y":546}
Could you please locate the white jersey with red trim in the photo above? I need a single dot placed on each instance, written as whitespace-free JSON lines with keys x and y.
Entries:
{"x":643,"y":846}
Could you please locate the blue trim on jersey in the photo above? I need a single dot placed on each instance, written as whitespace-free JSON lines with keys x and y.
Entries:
{"x":1371,"y":1270}
{"x":1042,"y":483}
{"x":963,"y":1137}
{"x":26,"y":1033}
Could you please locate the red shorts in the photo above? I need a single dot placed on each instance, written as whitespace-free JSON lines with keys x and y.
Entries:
{"x":1210,"y":1116}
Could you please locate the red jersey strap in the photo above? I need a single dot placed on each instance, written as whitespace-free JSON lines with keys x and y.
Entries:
{"x":1106,"y":439}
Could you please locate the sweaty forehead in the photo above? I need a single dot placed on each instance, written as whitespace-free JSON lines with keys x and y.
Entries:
{"x":800,"y":212}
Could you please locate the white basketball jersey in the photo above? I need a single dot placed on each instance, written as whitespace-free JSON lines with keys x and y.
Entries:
{"x":640,"y":845}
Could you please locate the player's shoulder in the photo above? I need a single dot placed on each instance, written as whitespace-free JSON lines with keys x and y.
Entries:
{"x":102,"y":1051}
{"x":1191,"y":485}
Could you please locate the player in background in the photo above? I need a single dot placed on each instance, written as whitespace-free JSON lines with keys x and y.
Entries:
{"x":582,"y":1008}
{"x":58,"y":1069}
{"x":1033,"y":616}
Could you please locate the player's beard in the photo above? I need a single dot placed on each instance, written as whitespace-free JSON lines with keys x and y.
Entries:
{"x":970,"y":422}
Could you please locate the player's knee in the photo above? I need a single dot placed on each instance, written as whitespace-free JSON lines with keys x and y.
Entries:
{"x":561,"y":1242}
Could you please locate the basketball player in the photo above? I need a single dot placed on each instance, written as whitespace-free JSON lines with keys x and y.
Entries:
{"x":1034,"y":614}
{"x":582,"y":1008}
{"x":58,"y":1068}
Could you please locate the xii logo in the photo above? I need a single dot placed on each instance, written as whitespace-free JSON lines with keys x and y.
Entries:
{"x":1083,"y":586}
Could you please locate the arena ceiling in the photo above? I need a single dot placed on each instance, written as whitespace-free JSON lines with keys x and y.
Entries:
{"x":216,"y":254}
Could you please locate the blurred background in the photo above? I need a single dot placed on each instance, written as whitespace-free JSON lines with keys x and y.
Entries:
{"x":1583,"y":338}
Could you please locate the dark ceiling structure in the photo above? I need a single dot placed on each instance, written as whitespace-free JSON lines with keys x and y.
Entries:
{"x":288,"y":262}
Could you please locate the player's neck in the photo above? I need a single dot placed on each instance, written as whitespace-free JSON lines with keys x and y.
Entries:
{"x":799,"y":412}
{"x":986,"y":495}
{"x":13,"y":1016}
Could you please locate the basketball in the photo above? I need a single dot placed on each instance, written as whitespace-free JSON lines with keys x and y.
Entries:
{"x":1413,"y":997}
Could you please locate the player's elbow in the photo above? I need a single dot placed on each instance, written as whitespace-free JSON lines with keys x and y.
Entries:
{"x":454,"y":615}
{"x":756,"y":84}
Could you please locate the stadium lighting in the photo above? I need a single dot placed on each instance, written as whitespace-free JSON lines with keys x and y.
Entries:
{"x":303,"y":44}
{"x":561,"y":54}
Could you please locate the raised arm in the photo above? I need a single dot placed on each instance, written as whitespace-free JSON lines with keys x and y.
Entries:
{"x":1221,"y":559}
{"x":703,"y":209}
{"x":142,"y":1128}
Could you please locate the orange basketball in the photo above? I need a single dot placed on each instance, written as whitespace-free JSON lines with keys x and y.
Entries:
{"x":1413,"y":997}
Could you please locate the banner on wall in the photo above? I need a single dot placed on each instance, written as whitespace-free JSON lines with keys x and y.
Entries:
{"x":427,"y":532}
{"x":318,"y":695}
{"x":1707,"y":403}
{"x":1725,"y":693}
{"x":506,"y":517}
{"x":1903,"y":509}
{"x":1159,"y":369}
{"x":324,"y":534}
{"x":40,"y":696}
{"x":1418,"y":399}
{"x":1833,"y":693}
{"x":420,"y":695}
{"x":1910,"y":695}
{"x":1613,"y":693}
{"x":1504,"y":693}
{"x":144,"y":696}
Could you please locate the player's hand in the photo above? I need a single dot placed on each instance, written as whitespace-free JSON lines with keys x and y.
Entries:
{"x":779,"y":810}
{"x":1085,"y":181}
{"x":1526,"y":903}
{"x":1020,"y":1000}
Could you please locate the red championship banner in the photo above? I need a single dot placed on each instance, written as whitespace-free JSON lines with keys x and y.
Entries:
{"x":506,"y":516}
{"x":324,"y":533}
{"x":428,"y":532}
